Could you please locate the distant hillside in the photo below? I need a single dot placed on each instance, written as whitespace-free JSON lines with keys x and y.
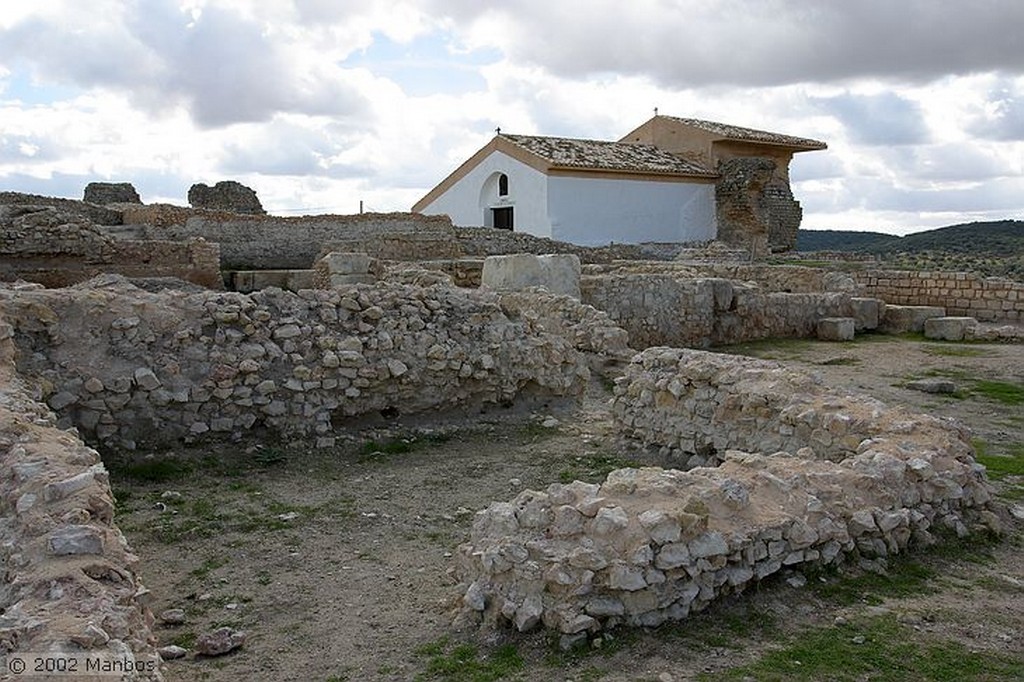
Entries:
{"x":993,"y":249}
{"x":1003,"y":238}
{"x":838,"y":240}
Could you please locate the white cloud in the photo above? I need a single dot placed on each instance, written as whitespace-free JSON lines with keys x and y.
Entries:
{"x":318,"y":104}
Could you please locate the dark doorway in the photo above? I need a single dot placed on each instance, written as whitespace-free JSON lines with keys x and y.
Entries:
{"x":502,"y":217}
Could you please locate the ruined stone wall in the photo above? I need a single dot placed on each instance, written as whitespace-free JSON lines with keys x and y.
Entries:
{"x":486,"y":241}
{"x":54,"y":248}
{"x":273,"y":243}
{"x":988,"y":299}
{"x":755,"y":206}
{"x":71,"y":585}
{"x":858,"y":481}
{"x":100,"y":215}
{"x":676,"y":309}
{"x":132,"y":368}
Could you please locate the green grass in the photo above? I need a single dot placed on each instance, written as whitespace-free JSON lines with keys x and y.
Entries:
{"x":185,"y":640}
{"x":878,"y":649}
{"x":1001,"y":465}
{"x":955,"y":351}
{"x":903,"y":579}
{"x":593,"y":468}
{"x":453,"y":662}
{"x":1005,"y":392}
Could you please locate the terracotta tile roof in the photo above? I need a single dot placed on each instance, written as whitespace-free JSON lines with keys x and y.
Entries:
{"x":750,"y":134}
{"x":600,"y":155}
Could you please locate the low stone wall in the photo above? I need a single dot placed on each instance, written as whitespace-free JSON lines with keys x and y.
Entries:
{"x":480,"y":242}
{"x":56,"y":249}
{"x":857,"y":480}
{"x":988,"y":299}
{"x":71,"y":586}
{"x":130,"y":367}
{"x":100,"y":215}
{"x":275,"y":243}
{"x":677,"y":309}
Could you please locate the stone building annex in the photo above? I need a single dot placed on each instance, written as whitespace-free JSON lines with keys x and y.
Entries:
{"x":669,"y":180}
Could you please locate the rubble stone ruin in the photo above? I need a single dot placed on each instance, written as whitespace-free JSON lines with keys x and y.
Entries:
{"x":226,"y":195}
{"x":776,"y":469}
{"x":111,"y":193}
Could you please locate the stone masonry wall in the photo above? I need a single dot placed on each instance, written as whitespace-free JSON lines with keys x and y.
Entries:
{"x":49,"y":246}
{"x":858,"y":481}
{"x":70,"y":586}
{"x":679,"y":310}
{"x":132,"y":368}
{"x":988,"y":299}
{"x":275,"y":243}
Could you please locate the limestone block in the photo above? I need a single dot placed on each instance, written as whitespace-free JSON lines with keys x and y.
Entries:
{"x":866,"y":313}
{"x":339,"y":263}
{"x":949,"y":328}
{"x":558,"y":273}
{"x":836,"y":328}
{"x":345,"y":280}
{"x":900,"y":319}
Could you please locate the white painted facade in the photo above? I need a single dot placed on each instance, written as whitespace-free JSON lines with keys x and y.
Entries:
{"x":598,"y":211}
{"x":469,"y":202}
{"x":589,"y":211}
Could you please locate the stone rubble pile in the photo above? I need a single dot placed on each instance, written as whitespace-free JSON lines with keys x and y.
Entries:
{"x":844,"y":477}
{"x":131,"y":368}
{"x":70,"y":585}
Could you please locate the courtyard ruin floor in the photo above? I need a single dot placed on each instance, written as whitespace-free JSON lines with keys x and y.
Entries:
{"x":335,"y":561}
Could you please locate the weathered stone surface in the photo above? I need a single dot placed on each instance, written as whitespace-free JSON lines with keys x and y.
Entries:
{"x":932,"y":385}
{"x":291,"y":363}
{"x":866,"y":313}
{"x":836,"y":329}
{"x":900,"y":319}
{"x":219,"y":642}
{"x":850,"y":477}
{"x":111,"y":193}
{"x":949,"y":328}
{"x":558,"y":273}
{"x":226,"y":195}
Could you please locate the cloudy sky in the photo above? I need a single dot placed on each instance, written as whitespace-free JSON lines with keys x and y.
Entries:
{"x":321,"y":104}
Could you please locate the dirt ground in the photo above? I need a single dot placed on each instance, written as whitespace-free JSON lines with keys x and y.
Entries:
{"x":336,"y":562}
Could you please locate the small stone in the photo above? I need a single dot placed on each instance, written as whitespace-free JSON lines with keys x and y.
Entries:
{"x":666,"y":677}
{"x":797,"y":580}
{"x":932,"y":386}
{"x":550,"y":423}
{"x":171,"y":652}
{"x":859,"y":639}
{"x":76,"y":540}
{"x":219,"y":642}
{"x":172,"y":616}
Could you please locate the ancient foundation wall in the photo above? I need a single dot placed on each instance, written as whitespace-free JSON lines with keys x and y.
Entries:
{"x":132,"y":368}
{"x":857,"y":481}
{"x":70,"y":586}
{"x":273,"y":243}
{"x":45,"y":245}
{"x":988,"y":299}
{"x":676,"y":310}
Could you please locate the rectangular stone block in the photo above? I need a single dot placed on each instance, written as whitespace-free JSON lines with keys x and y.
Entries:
{"x":900,"y":319}
{"x":949,"y":328}
{"x":339,"y":263}
{"x":558,"y":273}
{"x":866,"y":312}
{"x":836,"y":329}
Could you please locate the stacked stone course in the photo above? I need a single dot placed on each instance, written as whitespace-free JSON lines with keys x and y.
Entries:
{"x":849,"y":478}
{"x":48,"y":245}
{"x":962,"y":294}
{"x":132,"y":368}
{"x":70,"y":585}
